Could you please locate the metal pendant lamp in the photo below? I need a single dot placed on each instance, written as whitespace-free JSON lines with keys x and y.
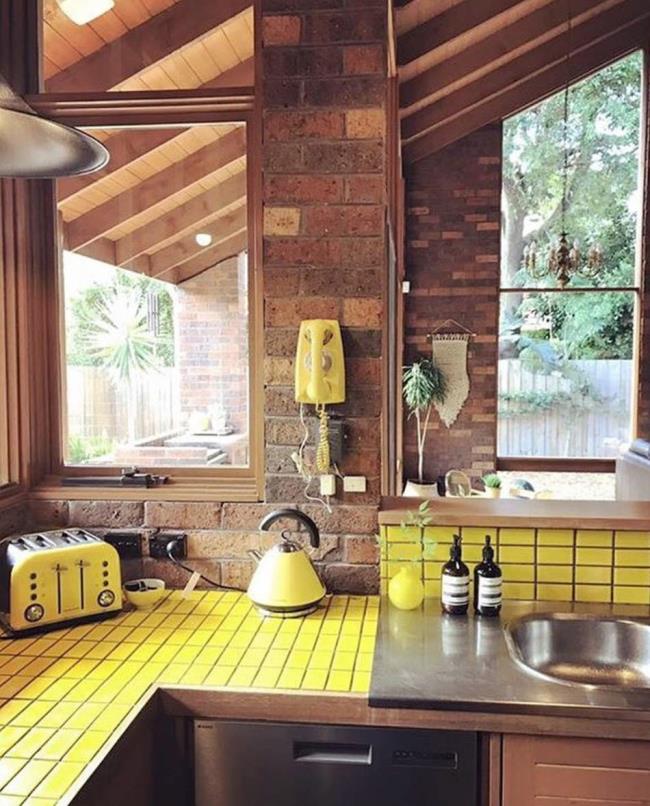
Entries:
{"x":32,"y":147}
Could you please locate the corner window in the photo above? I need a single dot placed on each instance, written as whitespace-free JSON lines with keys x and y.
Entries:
{"x":567,"y":349}
{"x":155,"y":290}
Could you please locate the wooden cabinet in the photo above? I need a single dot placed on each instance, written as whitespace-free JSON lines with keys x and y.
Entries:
{"x":550,"y":771}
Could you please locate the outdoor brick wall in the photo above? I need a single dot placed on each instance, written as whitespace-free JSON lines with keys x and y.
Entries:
{"x":212,"y":334}
{"x":324,"y":178}
{"x":452,"y":261}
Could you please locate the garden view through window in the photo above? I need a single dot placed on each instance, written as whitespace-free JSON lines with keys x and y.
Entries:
{"x":566,"y":356}
{"x":155,"y":285}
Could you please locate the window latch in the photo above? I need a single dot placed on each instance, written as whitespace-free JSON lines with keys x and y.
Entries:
{"x":130,"y":477}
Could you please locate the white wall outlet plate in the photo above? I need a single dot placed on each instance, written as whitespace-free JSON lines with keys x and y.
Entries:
{"x":328,"y":484}
{"x":354,"y":484}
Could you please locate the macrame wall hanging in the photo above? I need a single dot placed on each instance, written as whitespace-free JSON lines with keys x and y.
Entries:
{"x":450,"y":355}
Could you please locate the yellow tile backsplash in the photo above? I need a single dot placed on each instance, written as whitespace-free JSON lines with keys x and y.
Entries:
{"x":64,"y":694}
{"x":587,"y":565}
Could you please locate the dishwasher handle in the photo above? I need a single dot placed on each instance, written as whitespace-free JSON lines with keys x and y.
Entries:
{"x":332,"y":753}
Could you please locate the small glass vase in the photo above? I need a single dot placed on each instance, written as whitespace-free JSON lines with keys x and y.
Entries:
{"x":405,"y":589}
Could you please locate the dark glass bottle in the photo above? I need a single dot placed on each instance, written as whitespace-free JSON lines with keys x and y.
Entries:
{"x":455,"y":582}
{"x":487,"y":583}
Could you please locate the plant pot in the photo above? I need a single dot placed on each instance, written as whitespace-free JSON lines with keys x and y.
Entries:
{"x":493,"y":492}
{"x":405,"y":589}
{"x":415,"y":489}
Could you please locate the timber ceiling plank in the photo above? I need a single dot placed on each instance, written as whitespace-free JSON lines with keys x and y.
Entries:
{"x":141,"y":47}
{"x":541,"y":24}
{"x":162,"y":185}
{"x":211,"y":257}
{"x":447,"y":25}
{"x":532,"y":89}
{"x":202,"y":208}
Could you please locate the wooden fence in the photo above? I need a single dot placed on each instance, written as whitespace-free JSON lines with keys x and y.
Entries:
{"x":555,"y":421}
{"x":97,"y":408}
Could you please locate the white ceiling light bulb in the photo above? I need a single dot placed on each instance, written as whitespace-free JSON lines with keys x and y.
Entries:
{"x":203,"y":238}
{"x":84,"y":11}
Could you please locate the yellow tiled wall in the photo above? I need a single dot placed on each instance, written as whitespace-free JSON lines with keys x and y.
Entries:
{"x":582,"y":565}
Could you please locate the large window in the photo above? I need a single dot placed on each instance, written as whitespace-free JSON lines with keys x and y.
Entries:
{"x":155,"y":282}
{"x":567,"y":354}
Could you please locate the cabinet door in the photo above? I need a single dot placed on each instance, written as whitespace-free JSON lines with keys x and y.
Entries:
{"x":549,"y":771}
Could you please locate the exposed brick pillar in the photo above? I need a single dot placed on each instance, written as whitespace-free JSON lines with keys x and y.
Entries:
{"x":324,"y":144}
{"x":452,"y":260}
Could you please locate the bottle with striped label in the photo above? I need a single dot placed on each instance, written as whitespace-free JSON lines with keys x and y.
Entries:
{"x":455,"y":582}
{"x":487,"y":583}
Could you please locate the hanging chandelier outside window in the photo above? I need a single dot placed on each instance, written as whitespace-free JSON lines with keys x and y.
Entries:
{"x":565,"y":260}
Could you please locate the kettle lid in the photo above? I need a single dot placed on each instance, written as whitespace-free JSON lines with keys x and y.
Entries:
{"x":286,"y":545}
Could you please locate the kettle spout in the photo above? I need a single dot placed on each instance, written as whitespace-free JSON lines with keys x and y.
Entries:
{"x":255,"y":554}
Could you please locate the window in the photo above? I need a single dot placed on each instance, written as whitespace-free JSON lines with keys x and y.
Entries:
{"x":157,"y":294}
{"x":567,"y":355}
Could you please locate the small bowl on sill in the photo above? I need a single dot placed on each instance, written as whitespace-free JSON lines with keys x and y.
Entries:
{"x":144,"y":593}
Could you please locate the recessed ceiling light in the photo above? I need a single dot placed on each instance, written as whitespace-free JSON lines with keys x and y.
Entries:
{"x":203,"y":238}
{"x":84,"y":11}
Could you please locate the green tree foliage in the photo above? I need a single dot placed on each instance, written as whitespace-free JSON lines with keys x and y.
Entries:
{"x":603,"y":140}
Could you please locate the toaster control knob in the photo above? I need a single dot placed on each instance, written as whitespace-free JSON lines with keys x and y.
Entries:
{"x":34,"y":612}
{"x":106,"y":598}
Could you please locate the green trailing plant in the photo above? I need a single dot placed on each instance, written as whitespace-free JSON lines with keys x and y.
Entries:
{"x":423,"y":384}
{"x":492,"y":481}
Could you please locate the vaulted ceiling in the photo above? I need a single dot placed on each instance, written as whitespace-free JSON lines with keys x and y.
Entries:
{"x":465,"y":63}
{"x":162,"y":186}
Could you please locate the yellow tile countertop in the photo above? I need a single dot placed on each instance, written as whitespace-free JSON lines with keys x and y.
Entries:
{"x":65,"y":694}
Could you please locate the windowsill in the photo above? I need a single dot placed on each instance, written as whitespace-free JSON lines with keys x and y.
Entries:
{"x":187,"y":488}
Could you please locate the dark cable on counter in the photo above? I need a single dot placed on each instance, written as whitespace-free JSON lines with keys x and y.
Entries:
{"x":170,"y":553}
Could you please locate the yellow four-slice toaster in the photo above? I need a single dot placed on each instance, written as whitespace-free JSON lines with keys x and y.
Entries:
{"x":56,"y":577}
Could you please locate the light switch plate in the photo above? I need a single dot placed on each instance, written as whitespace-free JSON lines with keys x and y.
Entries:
{"x":328,"y":484}
{"x":354,"y":484}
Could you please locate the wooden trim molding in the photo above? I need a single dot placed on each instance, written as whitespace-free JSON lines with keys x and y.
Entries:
{"x":555,"y":465}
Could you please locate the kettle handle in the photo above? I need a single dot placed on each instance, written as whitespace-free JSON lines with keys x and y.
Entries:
{"x":297,"y":515}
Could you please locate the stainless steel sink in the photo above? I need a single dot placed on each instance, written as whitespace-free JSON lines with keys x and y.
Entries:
{"x":583,"y":649}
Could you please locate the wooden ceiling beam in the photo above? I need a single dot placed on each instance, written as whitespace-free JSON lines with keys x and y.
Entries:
{"x":183,"y":220}
{"x":161,"y":186}
{"x":543,"y":23}
{"x":523,"y":93}
{"x":186,"y":248}
{"x":127,"y":146}
{"x":448,"y":25}
{"x":216,"y":254}
{"x":142,"y":47}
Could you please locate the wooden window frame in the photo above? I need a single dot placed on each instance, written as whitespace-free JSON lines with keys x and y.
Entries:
{"x":642,"y":302}
{"x":125,"y":110}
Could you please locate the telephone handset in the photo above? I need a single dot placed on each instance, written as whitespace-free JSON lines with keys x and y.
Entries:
{"x":320,"y":378}
{"x":320,"y":368}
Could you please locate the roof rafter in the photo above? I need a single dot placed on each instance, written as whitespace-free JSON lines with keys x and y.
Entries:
{"x":216,"y":254}
{"x":157,"y":188}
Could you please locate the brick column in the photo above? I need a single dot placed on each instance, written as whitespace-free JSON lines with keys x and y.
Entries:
{"x":452,"y":260}
{"x":324,"y":145}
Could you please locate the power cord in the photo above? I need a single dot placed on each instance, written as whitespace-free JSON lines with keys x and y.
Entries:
{"x":172,"y":545}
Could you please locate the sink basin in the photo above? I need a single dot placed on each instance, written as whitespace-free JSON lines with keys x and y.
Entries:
{"x":584,"y":650}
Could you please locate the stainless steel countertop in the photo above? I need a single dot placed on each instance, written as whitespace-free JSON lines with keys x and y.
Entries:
{"x":427,"y":660}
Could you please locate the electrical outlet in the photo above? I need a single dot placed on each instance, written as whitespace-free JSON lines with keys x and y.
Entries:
{"x":128,"y":544}
{"x":158,"y":545}
{"x":354,"y":484}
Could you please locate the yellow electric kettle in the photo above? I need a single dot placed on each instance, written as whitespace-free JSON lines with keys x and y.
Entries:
{"x":285,"y":582}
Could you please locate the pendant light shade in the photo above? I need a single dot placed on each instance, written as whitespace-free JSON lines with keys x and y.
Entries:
{"x":32,"y":147}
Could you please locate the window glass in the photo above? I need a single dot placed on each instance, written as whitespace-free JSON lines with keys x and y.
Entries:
{"x":566,"y":350}
{"x":155,"y":285}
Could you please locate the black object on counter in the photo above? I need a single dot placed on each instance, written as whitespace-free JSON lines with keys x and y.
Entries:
{"x":487,"y":583}
{"x":455,"y":582}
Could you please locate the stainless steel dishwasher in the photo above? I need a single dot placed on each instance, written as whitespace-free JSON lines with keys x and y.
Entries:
{"x":269,"y":764}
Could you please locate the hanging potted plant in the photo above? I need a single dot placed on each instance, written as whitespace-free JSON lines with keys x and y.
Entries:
{"x":423,"y":385}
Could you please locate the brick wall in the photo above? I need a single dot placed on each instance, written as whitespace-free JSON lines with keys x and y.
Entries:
{"x":212,"y":338}
{"x":324,"y":143}
{"x":452,"y":261}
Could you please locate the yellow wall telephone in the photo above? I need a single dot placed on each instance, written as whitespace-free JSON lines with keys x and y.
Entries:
{"x":320,"y":375}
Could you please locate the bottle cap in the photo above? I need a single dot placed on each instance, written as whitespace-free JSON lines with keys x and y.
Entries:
{"x":455,"y":550}
{"x":488,"y":551}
